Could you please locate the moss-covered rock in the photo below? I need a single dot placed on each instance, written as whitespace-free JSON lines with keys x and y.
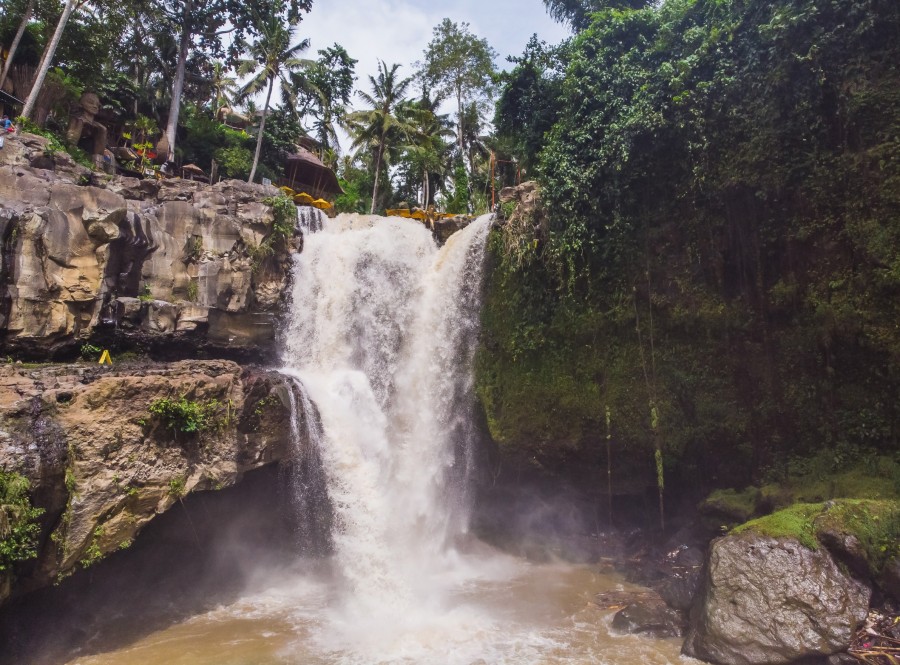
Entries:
{"x":770,"y":599}
{"x":863,"y":534}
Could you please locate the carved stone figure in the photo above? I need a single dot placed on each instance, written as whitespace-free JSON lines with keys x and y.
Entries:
{"x":82,"y":123}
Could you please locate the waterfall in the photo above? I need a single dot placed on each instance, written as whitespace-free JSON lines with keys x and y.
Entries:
{"x":381,"y":334}
{"x":309,"y":219}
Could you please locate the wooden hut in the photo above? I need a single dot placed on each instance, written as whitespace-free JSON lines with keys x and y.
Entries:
{"x":304,"y":172}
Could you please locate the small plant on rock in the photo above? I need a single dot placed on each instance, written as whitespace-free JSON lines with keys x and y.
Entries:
{"x":184,"y":415}
{"x":90,"y":352}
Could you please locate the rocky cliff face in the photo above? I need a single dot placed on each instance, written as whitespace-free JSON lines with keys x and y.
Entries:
{"x":173,"y":268}
{"x":107,"y":450}
{"x":126,"y":261}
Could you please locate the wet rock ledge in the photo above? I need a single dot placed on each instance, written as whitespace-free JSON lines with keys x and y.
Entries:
{"x":106,"y":450}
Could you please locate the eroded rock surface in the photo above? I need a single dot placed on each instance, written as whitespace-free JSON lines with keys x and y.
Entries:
{"x":102,"y":465}
{"x":89,"y":255}
{"x":767,"y":601}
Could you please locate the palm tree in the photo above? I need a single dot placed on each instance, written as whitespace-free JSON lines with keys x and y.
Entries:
{"x":272,"y":58}
{"x":379,"y":129}
{"x":427,"y":146}
{"x":222,"y":86}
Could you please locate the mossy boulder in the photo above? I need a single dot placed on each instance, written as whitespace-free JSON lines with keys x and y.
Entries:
{"x":862,"y":534}
{"x":771,"y":599}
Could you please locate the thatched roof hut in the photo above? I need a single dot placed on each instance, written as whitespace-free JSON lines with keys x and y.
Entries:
{"x":304,"y":172}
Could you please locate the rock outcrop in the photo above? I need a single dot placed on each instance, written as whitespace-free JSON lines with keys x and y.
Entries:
{"x":102,"y":463}
{"x":142,"y":262}
{"x":772,"y":600}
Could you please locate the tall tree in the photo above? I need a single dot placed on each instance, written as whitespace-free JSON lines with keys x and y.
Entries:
{"x":332,"y":77}
{"x":26,"y":17}
{"x":427,"y":147}
{"x":47,"y":58}
{"x":459,"y":65}
{"x":204,"y":23}
{"x":272,"y":58}
{"x":223,"y":87}
{"x":379,"y":129}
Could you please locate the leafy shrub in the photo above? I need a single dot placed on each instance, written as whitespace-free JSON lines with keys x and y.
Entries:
{"x":19,"y":530}
{"x":184,"y":415}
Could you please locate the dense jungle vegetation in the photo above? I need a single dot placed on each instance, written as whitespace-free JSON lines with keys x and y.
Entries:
{"x":716,"y":278}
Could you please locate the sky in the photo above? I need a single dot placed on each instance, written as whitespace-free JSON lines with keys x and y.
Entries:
{"x":397,"y":31}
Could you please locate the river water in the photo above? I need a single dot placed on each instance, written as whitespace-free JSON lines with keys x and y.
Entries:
{"x":380,"y":341}
{"x":501,"y":611}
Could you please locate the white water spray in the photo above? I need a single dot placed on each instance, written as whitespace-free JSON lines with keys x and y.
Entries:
{"x":382,"y":334}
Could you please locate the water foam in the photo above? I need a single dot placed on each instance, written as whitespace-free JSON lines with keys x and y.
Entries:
{"x":382,"y":333}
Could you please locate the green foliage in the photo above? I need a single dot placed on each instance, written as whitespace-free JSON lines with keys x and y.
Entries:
{"x":206,"y":139}
{"x":184,"y":415}
{"x":19,"y":530}
{"x":145,"y":295}
{"x":93,"y":553}
{"x":193,"y":290}
{"x":89,"y":351}
{"x":529,"y":103}
{"x":234,"y":162}
{"x":459,"y":202}
{"x":578,"y":13}
{"x":794,"y":522}
{"x":724,"y":165}
{"x":284,"y":211}
{"x":177,"y":487}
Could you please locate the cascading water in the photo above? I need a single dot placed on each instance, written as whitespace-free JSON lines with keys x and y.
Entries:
{"x":380,"y":342}
{"x":382,"y":333}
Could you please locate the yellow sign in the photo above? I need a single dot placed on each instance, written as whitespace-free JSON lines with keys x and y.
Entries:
{"x":104,"y":358}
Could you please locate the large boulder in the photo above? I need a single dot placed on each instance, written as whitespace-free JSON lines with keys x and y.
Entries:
{"x":768,"y":600}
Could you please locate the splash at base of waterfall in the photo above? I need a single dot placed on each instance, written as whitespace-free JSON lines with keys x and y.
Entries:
{"x":511,"y":613}
{"x":380,"y":344}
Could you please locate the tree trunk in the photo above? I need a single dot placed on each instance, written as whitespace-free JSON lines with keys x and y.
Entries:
{"x":377,"y":169}
{"x":262,"y":129}
{"x":178,"y":85}
{"x":459,"y":124}
{"x":49,"y":52}
{"x":15,"y":42}
{"x":426,"y":189}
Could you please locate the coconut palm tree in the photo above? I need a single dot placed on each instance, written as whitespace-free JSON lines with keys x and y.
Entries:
{"x":428,"y":146}
{"x":222,"y":86}
{"x":272,"y":59}
{"x":379,"y":129}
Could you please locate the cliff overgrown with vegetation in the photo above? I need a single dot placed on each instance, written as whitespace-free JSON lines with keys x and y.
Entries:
{"x":721,"y":249}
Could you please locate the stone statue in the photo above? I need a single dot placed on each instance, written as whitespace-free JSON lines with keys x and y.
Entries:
{"x":82,"y":122}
